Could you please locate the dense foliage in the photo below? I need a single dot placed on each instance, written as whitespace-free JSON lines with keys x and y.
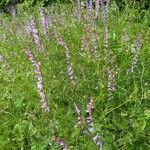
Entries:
{"x":89,"y":67}
{"x":5,"y":4}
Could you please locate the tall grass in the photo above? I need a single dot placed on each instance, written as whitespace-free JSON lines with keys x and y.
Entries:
{"x":86,"y":54}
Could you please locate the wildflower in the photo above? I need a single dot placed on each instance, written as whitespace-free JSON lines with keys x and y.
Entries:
{"x":61,"y":142}
{"x":89,"y":119}
{"x":90,"y":122}
{"x":97,"y":7}
{"x":50,"y":20}
{"x":40,"y":84}
{"x":97,"y":141}
{"x":90,"y":4}
{"x":90,"y":43}
{"x":111,"y":83}
{"x":44,"y":23}
{"x":90,"y":11}
{"x":77,"y":111}
{"x":137,"y":45}
{"x":105,"y":18}
{"x":105,"y":10}
{"x":13,"y":11}
{"x":29,"y":29}
{"x":112,"y":70}
{"x":33,"y":32}
{"x":70,"y":70}
{"x":79,"y":9}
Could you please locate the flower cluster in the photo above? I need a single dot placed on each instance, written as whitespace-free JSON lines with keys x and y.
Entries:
{"x":97,"y":141}
{"x":40,"y":84}
{"x":61,"y":142}
{"x":89,"y":119}
{"x":79,"y":9}
{"x":111,"y":83}
{"x":89,"y":43}
{"x":77,"y":111}
{"x":97,"y":6}
{"x":105,"y":17}
{"x":44,"y":23}
{"x":33,"y":33}
{"x":70,"y":70}
{"x":13,"y":11}
{"x":137,"y":45}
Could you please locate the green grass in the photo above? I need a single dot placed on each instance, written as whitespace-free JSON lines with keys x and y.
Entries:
{"x":123,"y":122}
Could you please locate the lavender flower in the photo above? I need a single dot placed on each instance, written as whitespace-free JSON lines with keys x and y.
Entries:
{"x":32,"y":31}
{"x":44,"y":23}
{"x":77,"y":111}
{"x":97,"y":141}
{"x":90,"y":4}
{"x":90,"y":122}
{"x":89,"y":119}
{"x":89,"y":110}
{"x":29,"y":29}
{"x":61,"y":142}
{"x":38,"y":76}
{"x":105,"y":10}
{"x":90,"y":11}
{"x":97,"y":6}
{"x":50,"y":20}
{"x":111,"y":83}
{"x":89,"y":42}
{"x":79,"y":9}
{"x":70,"y":70}
{"x":94,"y":43}
{"x":13,"y":11}
{"x":105,"y":17}
{"x":137,"y":45}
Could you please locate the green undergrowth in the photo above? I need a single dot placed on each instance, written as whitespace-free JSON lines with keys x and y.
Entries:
{"x":123,"y":122}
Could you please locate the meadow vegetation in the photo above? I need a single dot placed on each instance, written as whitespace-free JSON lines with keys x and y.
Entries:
{"x":75,"y":78}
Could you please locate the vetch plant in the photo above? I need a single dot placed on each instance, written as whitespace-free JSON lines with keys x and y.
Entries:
{"x":137,"y":45}
{"x":39,"y":78}
{"x":13,"y":11}
{"x":70,"y":70}
{"x":89,"y":43}
{"x":101,"y":122}
{"x":33,"y":32}
{"x":44,"y":23}
{"x":97,"y":141}
{"x":78,"y":112}
{"x":90,"y":123}
{"x":79,"y":9}
{"x":61,"y":142}
{"x":97,"y":7}
{"x":89,"y":119}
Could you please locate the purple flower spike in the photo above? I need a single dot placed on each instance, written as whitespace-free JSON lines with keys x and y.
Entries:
{"x":40,"y":84}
